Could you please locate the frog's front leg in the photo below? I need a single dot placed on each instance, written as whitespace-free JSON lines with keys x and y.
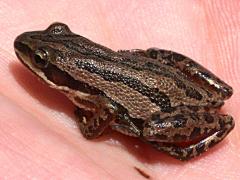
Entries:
{"x":187,"y":136}
{"x":94,"y":114}
{"x":189,"y":67}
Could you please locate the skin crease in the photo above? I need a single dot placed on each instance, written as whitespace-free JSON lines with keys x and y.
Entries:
{"x":39,"y":137}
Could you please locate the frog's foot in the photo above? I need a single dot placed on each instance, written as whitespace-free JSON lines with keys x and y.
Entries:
{"x":94,"y":115}
{"x":190,"y":135}
{"x":189,"y":67}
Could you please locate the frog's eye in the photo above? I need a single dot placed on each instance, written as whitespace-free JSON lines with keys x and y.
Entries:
{"x":58,"y":29}
{"x":40,"y":58}
{"x":153,"y":53}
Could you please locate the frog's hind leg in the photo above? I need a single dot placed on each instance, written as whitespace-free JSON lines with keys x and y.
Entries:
{"x":189,"y":67}
{"x":94,"y":113}
{"x":189,"y":141}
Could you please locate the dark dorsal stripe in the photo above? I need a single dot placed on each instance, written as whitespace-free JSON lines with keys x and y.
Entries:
{"x":61,"y":78}
{"x":154,"y":95}
{"x":81,"y":48}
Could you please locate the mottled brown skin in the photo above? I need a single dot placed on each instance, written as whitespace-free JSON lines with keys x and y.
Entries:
{"x":159,"y":96}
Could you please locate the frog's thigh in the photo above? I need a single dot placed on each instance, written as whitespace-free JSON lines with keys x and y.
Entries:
{"x":188,"y":66}
{"x":94,"y":114}
{"x":215,"y":130}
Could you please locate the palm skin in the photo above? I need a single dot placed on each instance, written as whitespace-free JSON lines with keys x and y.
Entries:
{"x":39,"y":137}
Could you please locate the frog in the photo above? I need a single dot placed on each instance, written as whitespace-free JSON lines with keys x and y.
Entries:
{"x":162,"y":97}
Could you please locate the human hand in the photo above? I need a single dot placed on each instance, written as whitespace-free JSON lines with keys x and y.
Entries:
{"x":39,"y":137}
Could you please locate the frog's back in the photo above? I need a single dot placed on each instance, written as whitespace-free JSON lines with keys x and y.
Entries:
{"x":137,"y":83}
{"x":141,"y":85}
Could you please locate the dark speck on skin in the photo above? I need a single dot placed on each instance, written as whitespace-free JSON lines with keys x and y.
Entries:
{"x":142,"y":173}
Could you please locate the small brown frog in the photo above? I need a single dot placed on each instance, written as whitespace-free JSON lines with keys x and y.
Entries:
{"x":159,"y":96}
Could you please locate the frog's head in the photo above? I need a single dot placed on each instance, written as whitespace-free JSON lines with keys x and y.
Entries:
{"x":37,"y":49}
{"x":40,"y":51}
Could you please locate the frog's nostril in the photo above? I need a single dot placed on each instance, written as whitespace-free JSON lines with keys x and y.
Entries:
{"x":17,"y":45}
{"x":20,"y":47}
{"x":20,"y":41}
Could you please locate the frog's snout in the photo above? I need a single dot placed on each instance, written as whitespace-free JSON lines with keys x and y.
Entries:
{"x":20,"y":45}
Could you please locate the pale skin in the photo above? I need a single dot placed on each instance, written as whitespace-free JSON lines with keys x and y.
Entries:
{"x":39,"y":137}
